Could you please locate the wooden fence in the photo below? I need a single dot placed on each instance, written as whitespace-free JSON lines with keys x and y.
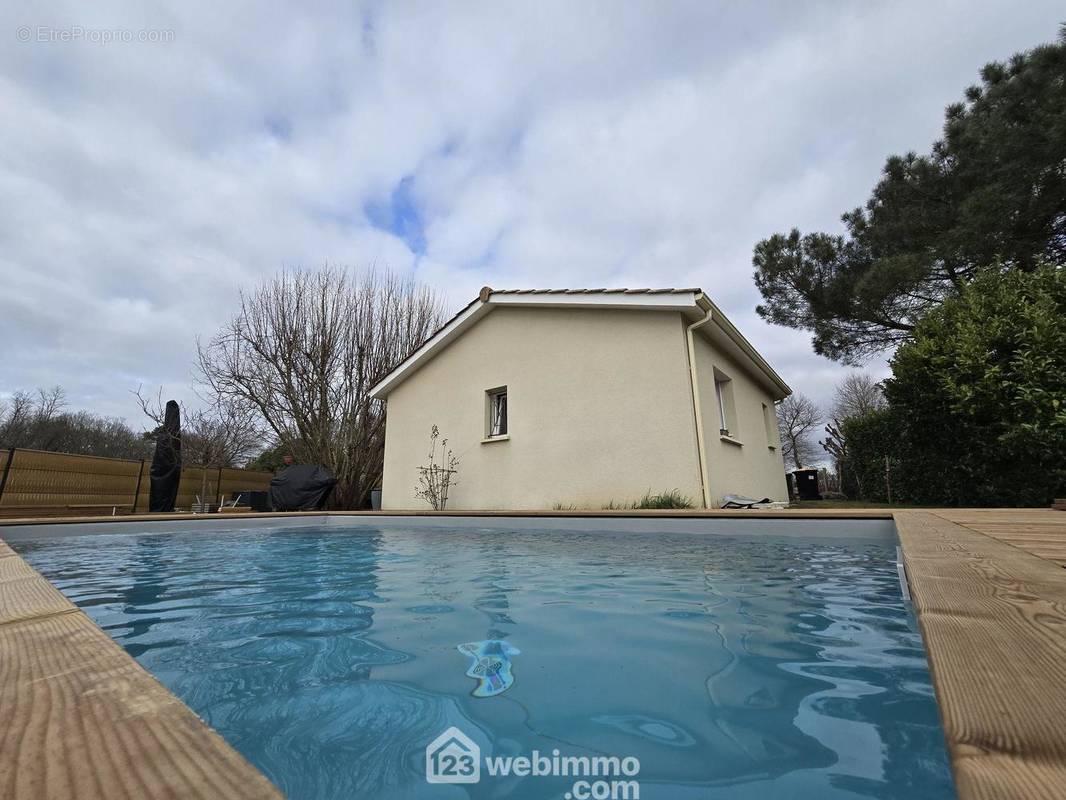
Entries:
{"x":35,"y":483}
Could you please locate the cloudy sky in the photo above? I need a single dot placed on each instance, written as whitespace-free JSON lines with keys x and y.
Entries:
{"x":532,"y":144}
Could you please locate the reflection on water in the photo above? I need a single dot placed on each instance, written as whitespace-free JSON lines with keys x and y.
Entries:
{"x":731,"y":667}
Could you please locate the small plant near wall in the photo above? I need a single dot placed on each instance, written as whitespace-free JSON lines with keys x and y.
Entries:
{"x":436,"y":478}
{"x":671,"y":499}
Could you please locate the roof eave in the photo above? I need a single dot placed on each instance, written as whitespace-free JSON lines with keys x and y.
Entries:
{"x":782,"y":389}
{"x":451,"y":330}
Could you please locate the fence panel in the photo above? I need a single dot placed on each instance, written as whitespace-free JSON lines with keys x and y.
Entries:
{"x":37,"y":479}
{"x":191,"y":485}
{"x":49,"y":484}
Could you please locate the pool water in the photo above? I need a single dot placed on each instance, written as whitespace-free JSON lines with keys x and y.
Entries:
{"x":728,"y":666}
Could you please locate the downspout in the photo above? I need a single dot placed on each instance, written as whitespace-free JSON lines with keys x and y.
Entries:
{"x":695,"y":384}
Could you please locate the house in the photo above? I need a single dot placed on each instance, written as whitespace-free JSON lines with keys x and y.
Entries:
{"x":582,"y":397}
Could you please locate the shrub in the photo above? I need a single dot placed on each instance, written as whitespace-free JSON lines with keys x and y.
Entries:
{"x":871,"y":438}
{"x":977,"y":401}
{"x":437,"y":477}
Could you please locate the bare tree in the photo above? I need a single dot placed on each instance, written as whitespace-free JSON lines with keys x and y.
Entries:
{"x":857,"y":395}
{"x":33,"y":420}
{"x":797,"y":419}
{"x":16,"y":420}
{"x":837,"y":446}
{"x":304,"y":351}
{"x":223,"y":434}
{"x":41,"y":421}
{"x":436,"y":479}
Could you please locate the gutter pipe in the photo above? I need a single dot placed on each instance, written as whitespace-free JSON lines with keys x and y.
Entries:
{"x":694,"y":383}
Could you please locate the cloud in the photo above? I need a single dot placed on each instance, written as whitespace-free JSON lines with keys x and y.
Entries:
{"x":537,"y":144}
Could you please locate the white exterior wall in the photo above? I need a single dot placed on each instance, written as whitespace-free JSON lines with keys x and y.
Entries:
{"x":751,"y":464}
{"x":599,"y":409}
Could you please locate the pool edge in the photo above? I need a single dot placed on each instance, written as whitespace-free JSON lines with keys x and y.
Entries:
{"x":992,"y":616}
{"x":702,"y":513}
{"x":993,"y":622}
{"x":84,"y":719}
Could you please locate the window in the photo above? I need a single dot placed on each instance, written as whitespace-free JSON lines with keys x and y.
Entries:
{"x":769,"y":419}
{"x":497,"y":412}
{"x":723,"y":393}
{"x":722,"y":424}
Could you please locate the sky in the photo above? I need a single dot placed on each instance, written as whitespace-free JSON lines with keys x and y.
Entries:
{"x":155,"y":160}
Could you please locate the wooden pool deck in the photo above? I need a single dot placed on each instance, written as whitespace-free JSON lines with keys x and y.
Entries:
{"x":989,"y":590}
{"x":83,"y":719}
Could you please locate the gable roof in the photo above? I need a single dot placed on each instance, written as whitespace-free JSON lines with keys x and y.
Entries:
{"x":692,"y":303}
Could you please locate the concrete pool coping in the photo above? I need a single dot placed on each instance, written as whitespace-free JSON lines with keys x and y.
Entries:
{"x":665,"y":513}
{"x":988,"y":590}
{"x":868,"y":527}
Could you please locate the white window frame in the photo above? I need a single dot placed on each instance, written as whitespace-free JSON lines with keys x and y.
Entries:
{"x":769,"y":419}
{"x":496,"y":418}
{"x":723,"y":424}
{"x":723,"y":394}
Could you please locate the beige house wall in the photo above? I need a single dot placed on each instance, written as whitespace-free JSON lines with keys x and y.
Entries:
{"x":750,"y":462}
{"x":599,"y":404}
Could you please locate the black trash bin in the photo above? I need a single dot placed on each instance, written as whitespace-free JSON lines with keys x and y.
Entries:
{"x":807,"y":484}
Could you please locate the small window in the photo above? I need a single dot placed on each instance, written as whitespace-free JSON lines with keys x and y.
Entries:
{"x":497,"y":408}
{"x":769,"y":420}
{"x":723,"y":392}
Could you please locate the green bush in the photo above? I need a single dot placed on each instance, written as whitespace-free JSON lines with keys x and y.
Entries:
{"x":871,"y":437}
{"x":977,"y":401}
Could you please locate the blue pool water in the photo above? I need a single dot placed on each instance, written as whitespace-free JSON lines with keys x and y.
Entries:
{"x":729,"y":666}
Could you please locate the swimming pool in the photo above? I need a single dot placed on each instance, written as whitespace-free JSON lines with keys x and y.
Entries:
{"x":728,"y":664}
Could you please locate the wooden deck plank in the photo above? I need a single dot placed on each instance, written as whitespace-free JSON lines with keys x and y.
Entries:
{"x":1050,"y":534}
{"x":993,"y":618}
{"x":1048,"y":531}
{"x":1039,"y":531}
{"x":1057,"y":557}
{"x":1012,"y":517}
{"x":83,"y":719}
{"x":1028,"y":542}
{"x":29,"y":598}
{"x":14,"y":569}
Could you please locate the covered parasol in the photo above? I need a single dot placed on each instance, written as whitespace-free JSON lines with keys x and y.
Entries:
{"x":166,"y":462}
